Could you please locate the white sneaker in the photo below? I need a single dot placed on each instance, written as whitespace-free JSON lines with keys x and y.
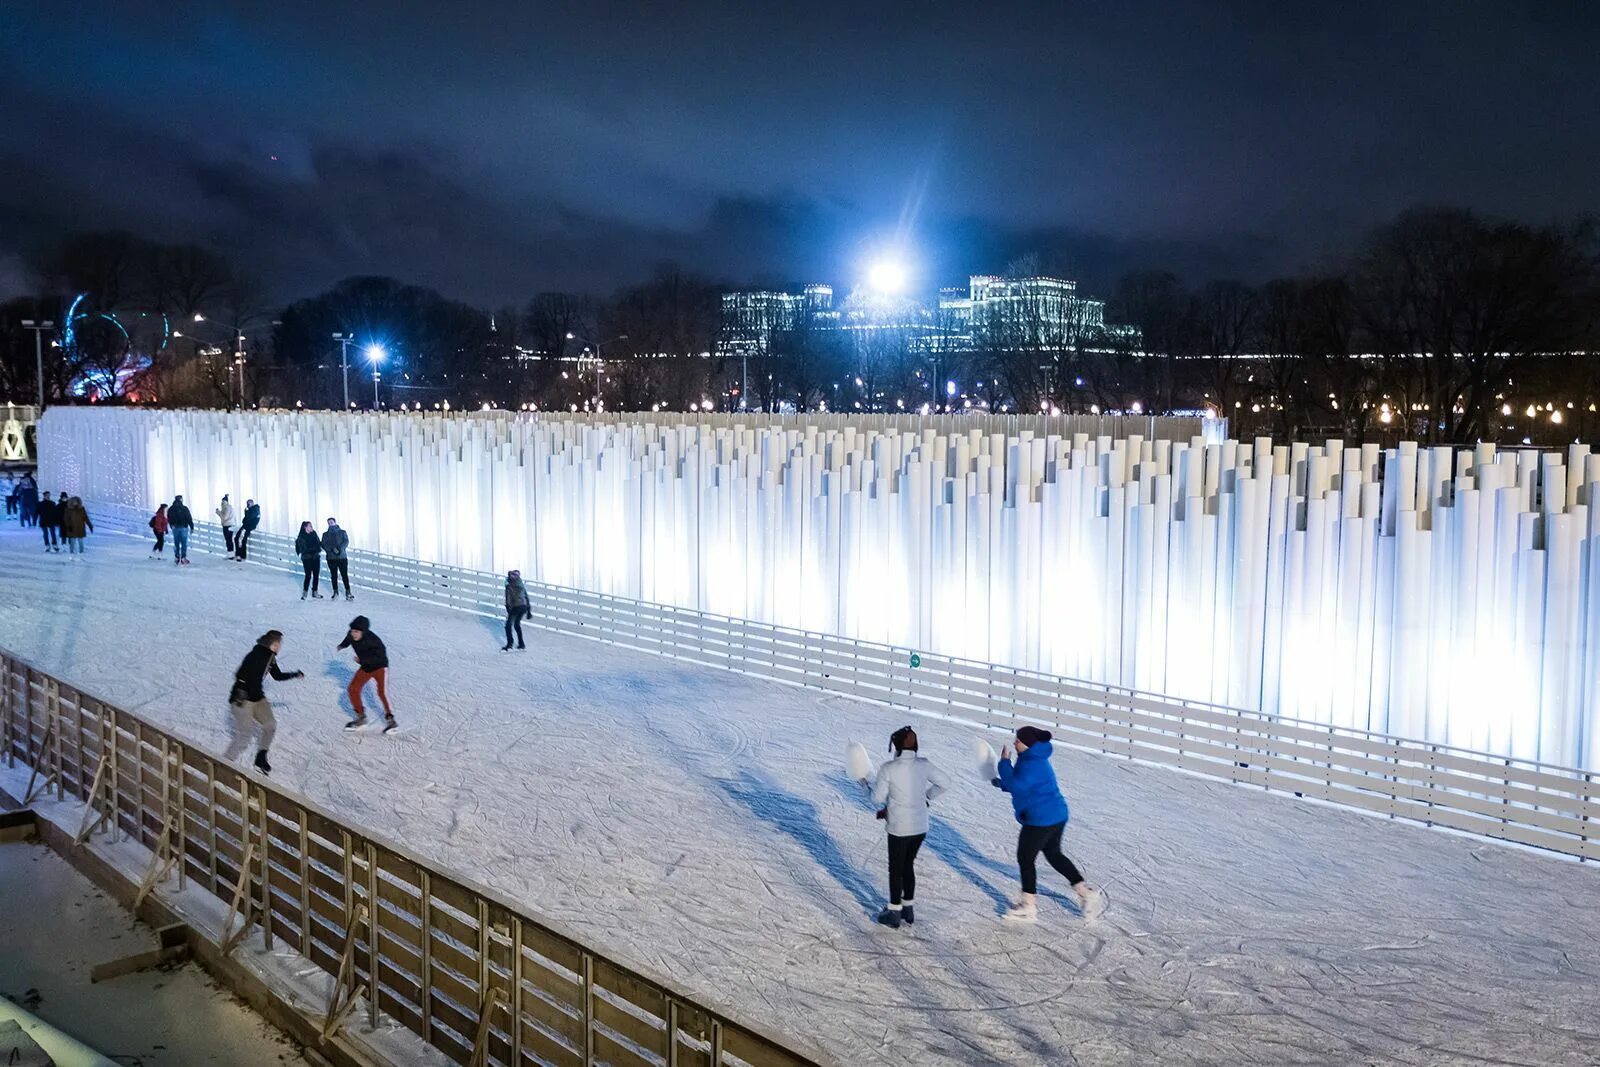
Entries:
{"x":1024,"y":911}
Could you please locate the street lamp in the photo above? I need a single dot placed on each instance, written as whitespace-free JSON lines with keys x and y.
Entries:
{"x":596,"y":346}
{"x":375,"y":353}
{"x":38,"y":329}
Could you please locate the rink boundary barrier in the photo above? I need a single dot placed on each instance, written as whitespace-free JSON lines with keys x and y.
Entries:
{"x":1498,"y":797}
{"x":465,"y":968}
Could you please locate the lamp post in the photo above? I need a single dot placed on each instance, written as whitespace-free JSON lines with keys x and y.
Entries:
{"x":596,"y":345}
{"x":375,"y":353}
{"x":344,"y":340}
{"x":38,"y":328}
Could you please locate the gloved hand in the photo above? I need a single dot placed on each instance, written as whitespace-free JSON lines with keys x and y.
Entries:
{"x":883,"y":813}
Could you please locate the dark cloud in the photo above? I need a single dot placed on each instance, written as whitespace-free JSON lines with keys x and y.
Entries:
{"x":496,"y":148}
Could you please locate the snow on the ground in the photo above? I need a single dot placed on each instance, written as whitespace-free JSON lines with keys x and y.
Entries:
{"x":699,"y":823}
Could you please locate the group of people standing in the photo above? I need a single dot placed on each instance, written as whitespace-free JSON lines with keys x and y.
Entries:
{"x":63,"y":521}
{"x":334,"y":543}
{"x":906,"y":785}
{"x":237,"y":546}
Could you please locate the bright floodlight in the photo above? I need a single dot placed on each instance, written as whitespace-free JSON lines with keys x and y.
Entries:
{"x":375,"y":353}
{"x":887,"y":275}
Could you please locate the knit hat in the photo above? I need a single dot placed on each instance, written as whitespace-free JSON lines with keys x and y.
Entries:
{"x":1032,"y":735}
{"x":360,"y":623}
{"x":514,"y":574}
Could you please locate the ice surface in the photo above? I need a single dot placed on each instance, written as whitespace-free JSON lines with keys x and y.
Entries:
{"x":700,"y":823}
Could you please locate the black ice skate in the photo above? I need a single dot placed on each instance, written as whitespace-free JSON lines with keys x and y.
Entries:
{"x":261,"y":762}
{"x":890,"y":917}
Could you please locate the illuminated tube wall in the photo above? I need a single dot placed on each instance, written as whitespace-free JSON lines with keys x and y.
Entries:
{"x":1432,"y":593}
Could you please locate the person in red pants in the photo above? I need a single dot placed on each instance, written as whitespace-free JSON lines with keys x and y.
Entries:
{"x":372,"y":662}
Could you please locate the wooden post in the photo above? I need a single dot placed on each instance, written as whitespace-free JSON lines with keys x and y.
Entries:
{"x":230,"y":939}
{"x":425,"y":884}
{"x":588,"y":1010}
{"x":305,"y":886}
{"x":266,"y":873}
{"x":516,"y":990}
{"x":372,"y":934}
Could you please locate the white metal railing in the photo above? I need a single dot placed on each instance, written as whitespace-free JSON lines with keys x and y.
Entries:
{"x":1523,"y":801}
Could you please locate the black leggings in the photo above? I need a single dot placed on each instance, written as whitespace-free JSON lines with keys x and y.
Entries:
{"x":161,"y":541}
{"x":1047,"y":839}
{"x":514,"y":619}
{"x":336,"y":569}
{"x":312,"y":565}
{"x":903,"y":868}
{"x":239,"y":542}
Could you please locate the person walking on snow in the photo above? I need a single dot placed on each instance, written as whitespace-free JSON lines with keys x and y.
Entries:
{"x":516,"y":608}
{"x":372,"y":663}
{"x":252,"y":714}
{"x":226,"y":517}
{"x":902,"y":790}
{"x":48,"y":514}
{"x":252,"y":519}
{"x":182,"y":524}
{"x":336,"y":543}
{"x":75,"y":525}
{"x":158,"y":526}
{"x":309,"y":546}
{"x":1042,"y":810}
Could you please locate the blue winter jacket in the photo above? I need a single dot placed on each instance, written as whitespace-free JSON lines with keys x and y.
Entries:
{"x":1035,"y":796}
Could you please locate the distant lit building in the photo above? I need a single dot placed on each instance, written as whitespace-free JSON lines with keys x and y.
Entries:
{"x":751,"y":318}
{"x":1036,"y":312}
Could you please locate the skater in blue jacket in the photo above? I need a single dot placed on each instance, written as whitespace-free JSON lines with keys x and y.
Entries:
{"x":1042,"y":811}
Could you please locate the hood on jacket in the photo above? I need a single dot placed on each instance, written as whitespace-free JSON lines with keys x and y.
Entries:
{"x":360,"y":622}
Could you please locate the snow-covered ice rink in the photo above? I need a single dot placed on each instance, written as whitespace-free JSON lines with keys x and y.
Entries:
{"x":699,"y":822}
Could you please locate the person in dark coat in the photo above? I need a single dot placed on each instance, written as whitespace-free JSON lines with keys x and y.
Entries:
{"x":309,"y":547}
{"x":28,"y":500}
{"x":47,"y":513}
{"x":252,"y":714}
{"x":11,"y":496}
{"x":372,"y":664}
{"x":181,"y":523}
{"x":336,"y":543}
{"x":158,"y":526}
{"x":1042,"y":810}
{"x":252,"y":519}
{"x":516,"y":608}
{"x":75,"y":525}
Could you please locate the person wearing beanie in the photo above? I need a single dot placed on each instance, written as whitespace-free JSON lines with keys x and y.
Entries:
{"x":181,"y":523}
{"x":252,"y":519}
{"x":516,"y":608}
{"x":1042,"y":810}
{"x":372,"y":664}
{"x":226,"y":518}
{"x":252,"y":714}
{"x":902,"y":791}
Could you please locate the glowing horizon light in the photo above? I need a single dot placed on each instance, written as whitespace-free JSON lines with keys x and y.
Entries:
{"x":888,"y":275}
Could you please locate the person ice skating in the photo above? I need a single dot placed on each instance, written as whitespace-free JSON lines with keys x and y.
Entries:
{"x":181,"y":523}
{"x":252,"y":519}
{"x":158,"y":526}
{"x":902,"y":790}
{"x":252,"y":714}
{"x":48,"y":515}
{"x":372,"y":662}
{"x":75,"y":525}
{"x":226,"y":518}
{"x":1042,"y":810}
{"x":336,"y":545}
{"x":309,"y":546}
{"x":28,"y":500}
{"x":516,"y":608}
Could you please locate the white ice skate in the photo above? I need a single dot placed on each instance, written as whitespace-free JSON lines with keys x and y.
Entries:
{"x":1025,"y":910}
{"x":1091,"y":901}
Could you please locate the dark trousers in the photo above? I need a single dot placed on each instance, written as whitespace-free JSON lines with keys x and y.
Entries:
{"x":312,"y":565}
{"x":514,"y":618}
{"x":161,"y":541}
{"x":1047,"y":839}
{"x":903,"y":868}
{"x":339,"y":568}
{"x":227,"y":538}
{"x":237,"y":547}
{"x":49,"y":535}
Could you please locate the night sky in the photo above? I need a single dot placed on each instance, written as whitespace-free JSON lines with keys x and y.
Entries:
{"x":492,"y":149}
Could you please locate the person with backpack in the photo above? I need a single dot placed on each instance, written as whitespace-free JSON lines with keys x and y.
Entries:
{"x":309,"y":547}
{"x":336,"y":545}
{"x":48,"y":515}
{"x":158,"y":526}
{"x":1041,"y":809}
{"x":372,"y":665}
{"x":252,"y":715}
{"x":226,"y":517}
{"x":75,"y":525}
{"x":901,"y":792}
{"x":181,"y":523}
{"x":516,"y":608}
{"x":252,"y":519}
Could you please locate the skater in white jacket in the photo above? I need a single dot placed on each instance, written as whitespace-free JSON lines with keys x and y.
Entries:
{"x":226,"y":519}
{"x":902,"y":790}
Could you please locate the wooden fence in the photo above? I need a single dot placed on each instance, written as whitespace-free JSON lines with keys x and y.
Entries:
{"x":469,"y":971}
{"x":1540,"y":805}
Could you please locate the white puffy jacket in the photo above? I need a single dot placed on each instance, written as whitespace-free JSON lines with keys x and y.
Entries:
{"x":225,"y":513}
{"x":907,"y":783}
